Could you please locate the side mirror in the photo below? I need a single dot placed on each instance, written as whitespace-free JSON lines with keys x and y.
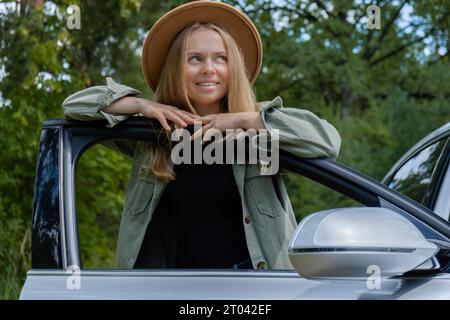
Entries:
{"x":352,"y":242}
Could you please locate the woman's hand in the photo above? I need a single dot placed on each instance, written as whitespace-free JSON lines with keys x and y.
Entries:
{"x":163,"y":112}
{"x":224,"y":121}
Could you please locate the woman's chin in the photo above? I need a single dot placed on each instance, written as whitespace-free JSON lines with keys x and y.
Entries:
{"x":207,"y":99}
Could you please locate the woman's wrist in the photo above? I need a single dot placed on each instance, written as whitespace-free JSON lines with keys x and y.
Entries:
{"x":140,"y":103}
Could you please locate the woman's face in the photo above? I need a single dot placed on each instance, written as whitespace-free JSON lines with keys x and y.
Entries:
{"x":206,"y":70}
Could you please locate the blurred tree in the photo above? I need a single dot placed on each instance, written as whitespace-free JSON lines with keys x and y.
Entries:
{"x":320,"y":55}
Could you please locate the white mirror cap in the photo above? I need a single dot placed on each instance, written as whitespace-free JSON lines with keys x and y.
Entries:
{"x":359,"y":228}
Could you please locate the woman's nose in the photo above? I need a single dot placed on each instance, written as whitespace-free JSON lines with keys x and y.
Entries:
{"x":208,"y":67}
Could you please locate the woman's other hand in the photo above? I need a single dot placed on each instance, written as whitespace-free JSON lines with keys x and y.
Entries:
{"x":224,"y":121}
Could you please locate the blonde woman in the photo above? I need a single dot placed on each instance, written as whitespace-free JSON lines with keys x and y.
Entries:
{"x":201,"y":59}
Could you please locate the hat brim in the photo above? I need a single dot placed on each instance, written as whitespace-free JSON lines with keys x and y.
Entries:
{"x":164,"y":31}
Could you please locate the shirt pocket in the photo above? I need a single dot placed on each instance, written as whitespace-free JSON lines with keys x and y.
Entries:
{"x":260,"y":189}
{"x":140,"y":194}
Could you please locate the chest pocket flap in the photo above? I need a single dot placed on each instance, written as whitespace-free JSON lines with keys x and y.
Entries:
{"x":260,"y":189}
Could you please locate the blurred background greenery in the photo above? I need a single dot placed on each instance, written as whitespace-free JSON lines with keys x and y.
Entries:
{"x":383,"y":89}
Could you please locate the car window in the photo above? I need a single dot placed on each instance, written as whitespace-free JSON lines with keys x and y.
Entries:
{"x":413,"y":179}
{"x":308,"y":196}
{"x":101,"y":180}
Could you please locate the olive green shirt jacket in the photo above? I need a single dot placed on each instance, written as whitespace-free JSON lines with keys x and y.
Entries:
{"x":268,"y":218}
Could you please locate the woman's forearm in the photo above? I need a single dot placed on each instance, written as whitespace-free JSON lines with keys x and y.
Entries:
{"x":126,"y":105}
{"x":251,"y":120}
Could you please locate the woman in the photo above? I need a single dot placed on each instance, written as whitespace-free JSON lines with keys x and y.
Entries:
{"x":204,"y":216}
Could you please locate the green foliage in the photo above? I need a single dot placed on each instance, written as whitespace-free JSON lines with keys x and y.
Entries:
{"x":100,"y":197}
{"x":383,"y":89}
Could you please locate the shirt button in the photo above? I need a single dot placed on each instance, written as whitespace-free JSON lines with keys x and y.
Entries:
{"x":247,"y":219}
{"x":261,"y":265}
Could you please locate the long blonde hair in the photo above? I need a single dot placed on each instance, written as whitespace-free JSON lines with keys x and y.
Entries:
{"x":172,"y":90}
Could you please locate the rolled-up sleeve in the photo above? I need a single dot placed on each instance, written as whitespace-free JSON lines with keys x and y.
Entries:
{"x":300,"y":131}
{"x":88,"y":104}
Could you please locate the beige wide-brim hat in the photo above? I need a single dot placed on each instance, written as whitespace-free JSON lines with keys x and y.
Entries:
{"x":164,"y":31}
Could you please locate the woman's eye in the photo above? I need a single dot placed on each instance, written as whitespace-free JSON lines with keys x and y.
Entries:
{"x":197,"y":58}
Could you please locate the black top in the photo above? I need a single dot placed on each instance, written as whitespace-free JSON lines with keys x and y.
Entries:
{"x":204,"y":206}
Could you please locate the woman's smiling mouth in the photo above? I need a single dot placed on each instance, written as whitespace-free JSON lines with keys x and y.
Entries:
{"x":207,"y":84}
